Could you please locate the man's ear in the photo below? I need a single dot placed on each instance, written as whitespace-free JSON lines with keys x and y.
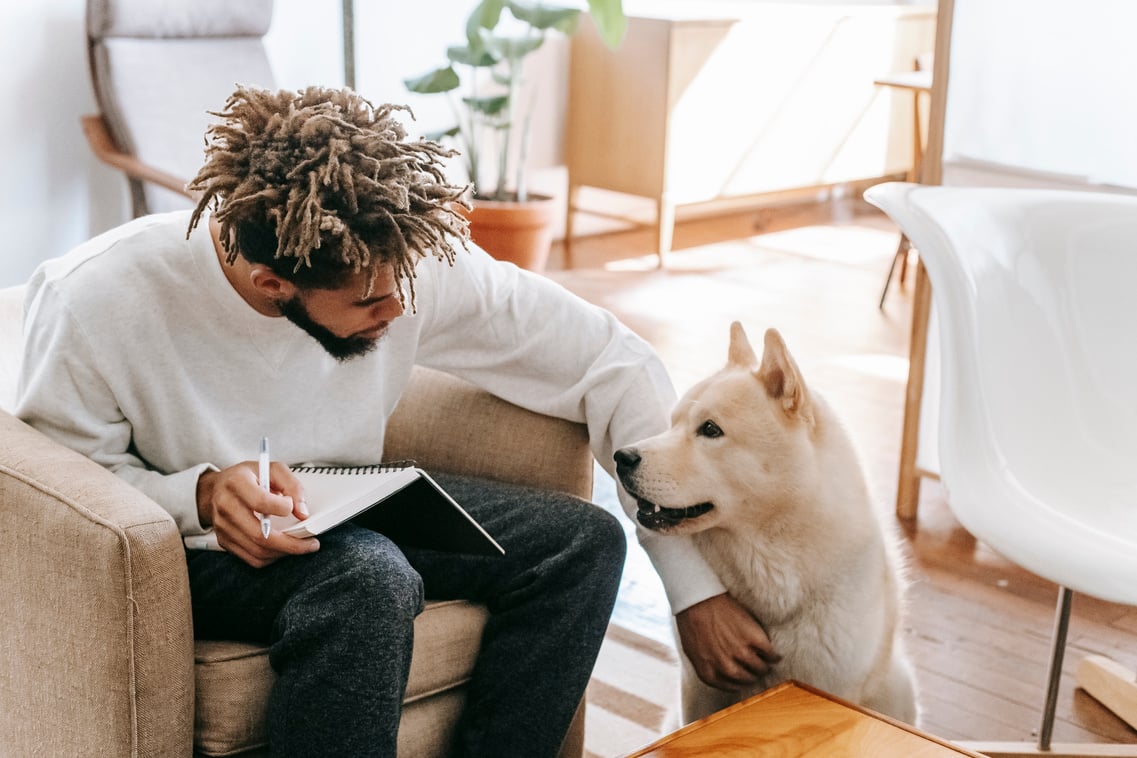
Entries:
{"x":270,"y":285}
{"x":781,"y":377}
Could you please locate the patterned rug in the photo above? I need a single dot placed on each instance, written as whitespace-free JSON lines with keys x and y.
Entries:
{"x":633,"y":695}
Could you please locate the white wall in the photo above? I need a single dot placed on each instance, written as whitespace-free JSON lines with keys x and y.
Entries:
{"x":52,"y":193}
{"x":1044,"y":88}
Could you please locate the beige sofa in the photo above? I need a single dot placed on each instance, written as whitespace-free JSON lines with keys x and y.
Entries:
{"x":98,"y":657}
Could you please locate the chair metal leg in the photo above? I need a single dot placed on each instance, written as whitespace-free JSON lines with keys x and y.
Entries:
{"x":900,"y":257}
{"x":1057,"y":652}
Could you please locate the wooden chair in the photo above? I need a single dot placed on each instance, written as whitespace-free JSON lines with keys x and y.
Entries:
{"x":157,"y":70}
{"x":918,"y":81}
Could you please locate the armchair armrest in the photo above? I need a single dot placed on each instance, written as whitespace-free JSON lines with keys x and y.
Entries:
{"x":446,"y":423}
{"x":104,"y":148}
{"x":96,"y":634}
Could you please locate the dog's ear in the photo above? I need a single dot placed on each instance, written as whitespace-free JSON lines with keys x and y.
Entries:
{"x":741,"y":354}
{"x":781,"y":377}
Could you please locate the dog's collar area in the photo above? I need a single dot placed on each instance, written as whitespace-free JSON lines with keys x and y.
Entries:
{"x":655,"y":516}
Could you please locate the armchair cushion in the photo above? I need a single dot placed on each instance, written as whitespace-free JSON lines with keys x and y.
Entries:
{"x":233,"y":679}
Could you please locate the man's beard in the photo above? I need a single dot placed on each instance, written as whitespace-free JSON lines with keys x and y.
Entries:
{"x":340,"y":348}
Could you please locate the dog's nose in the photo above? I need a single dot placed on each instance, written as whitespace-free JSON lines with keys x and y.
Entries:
{"x":627,"y":458}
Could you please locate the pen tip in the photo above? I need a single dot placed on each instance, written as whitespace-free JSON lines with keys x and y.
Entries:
{"x":266,"y":527}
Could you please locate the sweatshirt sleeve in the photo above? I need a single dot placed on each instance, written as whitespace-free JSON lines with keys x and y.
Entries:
{"x":528,"y":340}
{"x":63,"y":394}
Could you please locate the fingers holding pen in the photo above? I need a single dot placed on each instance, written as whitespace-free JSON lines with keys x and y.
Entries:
{"x":237,"y":498}
{"x":284,"y":498}
{"x":287,"y":486}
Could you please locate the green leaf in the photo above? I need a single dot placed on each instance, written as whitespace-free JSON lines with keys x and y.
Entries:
{"x":471,"y":56}
{"x":439,"y":80}
{"x":561,"y":18}
{"x":610,"y":21}
{"x":439,"y":136}
{"x":485,"y":15}
{"x":567,"y":26}
{"x":490,"y":106}
{"x":513,"y":47}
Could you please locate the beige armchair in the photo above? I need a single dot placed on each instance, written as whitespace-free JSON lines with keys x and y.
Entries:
{"x":98,"y":651}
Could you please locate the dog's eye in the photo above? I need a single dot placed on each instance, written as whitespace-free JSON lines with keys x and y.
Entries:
{"x":709,"y":429}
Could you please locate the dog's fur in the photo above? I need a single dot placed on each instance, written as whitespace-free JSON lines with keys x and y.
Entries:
{"x":760,"y":471}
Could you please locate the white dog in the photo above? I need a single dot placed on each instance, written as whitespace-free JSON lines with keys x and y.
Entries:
{"x":760,"y":471}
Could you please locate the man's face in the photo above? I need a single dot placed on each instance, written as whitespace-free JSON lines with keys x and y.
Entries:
{"x":342,"y":320}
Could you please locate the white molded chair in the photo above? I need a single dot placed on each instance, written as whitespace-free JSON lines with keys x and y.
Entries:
{"x":1038,"y":414}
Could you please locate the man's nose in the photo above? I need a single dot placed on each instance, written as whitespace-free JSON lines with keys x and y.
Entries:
{"x":388,"y":310}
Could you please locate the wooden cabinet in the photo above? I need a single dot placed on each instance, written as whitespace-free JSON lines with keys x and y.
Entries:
{"x":739,"y":100}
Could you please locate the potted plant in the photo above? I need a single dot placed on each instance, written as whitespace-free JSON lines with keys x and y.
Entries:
{"x":493,"y":123}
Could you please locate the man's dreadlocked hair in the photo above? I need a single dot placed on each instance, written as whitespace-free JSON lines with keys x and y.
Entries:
{"x":320,"y":185}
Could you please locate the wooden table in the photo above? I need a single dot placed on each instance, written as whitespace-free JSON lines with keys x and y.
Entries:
{"x":794,"y":719}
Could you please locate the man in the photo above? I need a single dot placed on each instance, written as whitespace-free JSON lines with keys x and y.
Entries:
{"x":296,"y":310}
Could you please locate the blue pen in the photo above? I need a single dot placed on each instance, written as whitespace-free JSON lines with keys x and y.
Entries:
{"x":266,"y":525}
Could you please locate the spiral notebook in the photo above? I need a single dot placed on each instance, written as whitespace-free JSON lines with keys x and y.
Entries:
{"x":398,"y":500}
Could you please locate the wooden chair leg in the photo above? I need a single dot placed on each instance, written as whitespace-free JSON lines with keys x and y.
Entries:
{"x":908,"y":479}
{"x":904,"y":262}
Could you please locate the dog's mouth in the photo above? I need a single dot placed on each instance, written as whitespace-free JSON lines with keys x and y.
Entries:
{"x":654,"y":516}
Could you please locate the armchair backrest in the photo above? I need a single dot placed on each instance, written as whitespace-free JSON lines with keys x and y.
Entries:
{"x":159,"y":67}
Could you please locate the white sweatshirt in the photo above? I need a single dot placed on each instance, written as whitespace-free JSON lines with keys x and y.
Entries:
{"x":140,"y":355}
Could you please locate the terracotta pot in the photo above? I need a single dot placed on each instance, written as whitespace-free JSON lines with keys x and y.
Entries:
{"x":521,"y":233}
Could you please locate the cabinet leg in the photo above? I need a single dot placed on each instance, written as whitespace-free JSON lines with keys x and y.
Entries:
{"x":665,"y":228}
{"x":571,"y":205}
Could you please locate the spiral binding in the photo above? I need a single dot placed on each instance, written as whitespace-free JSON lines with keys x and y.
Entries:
{"x":378,"y":468}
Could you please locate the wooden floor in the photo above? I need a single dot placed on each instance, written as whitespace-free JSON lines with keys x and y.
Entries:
{"x":978,"y":627}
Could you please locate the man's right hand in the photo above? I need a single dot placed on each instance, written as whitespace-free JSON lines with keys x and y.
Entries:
{"x":230,"y":499}
{"x":725,"y":643}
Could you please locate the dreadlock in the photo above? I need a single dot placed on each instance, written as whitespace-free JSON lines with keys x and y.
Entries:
{"x":320,"y":185}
